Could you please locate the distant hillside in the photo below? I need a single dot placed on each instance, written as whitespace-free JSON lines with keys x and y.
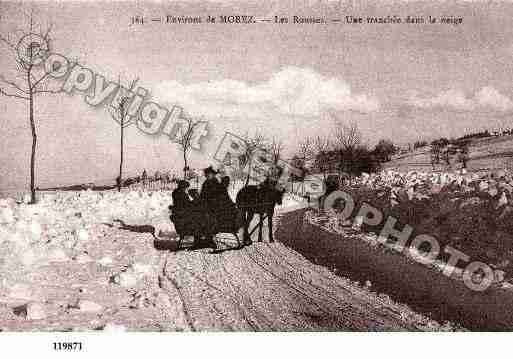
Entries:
{"x":485,"y":154}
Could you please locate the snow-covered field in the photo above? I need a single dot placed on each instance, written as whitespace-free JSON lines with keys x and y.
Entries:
{"x":60,"y":222}
{"x":54,"y":227}
{"x":47,"y":247}
{"x":51,"y":253}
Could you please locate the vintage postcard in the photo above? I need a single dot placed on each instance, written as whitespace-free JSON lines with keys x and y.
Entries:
{"x":256,"y":166}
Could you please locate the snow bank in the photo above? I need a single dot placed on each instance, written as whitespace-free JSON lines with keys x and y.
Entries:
{"x":54,"y":229}
{"x":468,"y":211}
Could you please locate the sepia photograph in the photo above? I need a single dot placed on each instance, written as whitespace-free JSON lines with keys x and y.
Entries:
{"x":251,"y":166}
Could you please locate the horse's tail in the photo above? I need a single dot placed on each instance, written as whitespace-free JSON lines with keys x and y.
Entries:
{"x":240,"y":199}
{"x":239,"y":219}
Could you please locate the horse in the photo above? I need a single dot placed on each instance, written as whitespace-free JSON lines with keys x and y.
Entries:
{"x":259,"y":199}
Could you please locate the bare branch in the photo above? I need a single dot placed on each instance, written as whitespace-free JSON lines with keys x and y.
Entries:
{"x":46,"y":35}
{"x":12,"y":95}
{"x":128,"y":123}
{"x":32,"y":20}
{"x":13,"y":84}
{"x":321,"y":144}
{"x":40,"y":79}
{"x":305,"y":148}
{"x":48,"y":91}
{"x":347,"y":137}
{"x":21,"y":69}
{"x":187,"y":135}
{"x":11,"y":45}
{"x":254,"y":142}
{"x":132,"y":84}
{"x":112,"y":113}
{"x":275,"y":149}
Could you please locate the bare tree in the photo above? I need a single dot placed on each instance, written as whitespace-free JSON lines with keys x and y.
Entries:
{"x":186,"y":140}
{"x":253,"y":145}
{"x":463,"y":153}
{"x":275,"y":149}
{"x":275,"y":152}
{"x":321,"y":147}
{"x":119,"y":113}
{"x":31,"y":80}
{"x":158,"y":179}
{"x":144,"y":178}
{"x":305,"y":153}
{"x":347,"y":139}
{"x":305,"y":149}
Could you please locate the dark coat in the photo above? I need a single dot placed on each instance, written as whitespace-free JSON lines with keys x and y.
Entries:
{"x":189,"y":217}
{"x":211,"y":191}
{"x":181,"y":201}
{"x":224,"y":197}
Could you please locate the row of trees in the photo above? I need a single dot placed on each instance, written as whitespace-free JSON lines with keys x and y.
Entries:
{"x":344,"y":152}
{"x":31,"y":80}
{"x":444,"y":150}
{"x":465,"y":138}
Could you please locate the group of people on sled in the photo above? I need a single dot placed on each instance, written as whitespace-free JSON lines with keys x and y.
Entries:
{"x":205,"y":212}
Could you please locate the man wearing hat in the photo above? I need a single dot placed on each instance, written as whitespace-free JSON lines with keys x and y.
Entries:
{"x":211,"y":190}
{"x":181,"y":206}
{"x":180,"y":198}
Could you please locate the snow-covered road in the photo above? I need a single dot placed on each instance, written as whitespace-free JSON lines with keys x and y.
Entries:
{"x":86,"y":274}
{"x":268,"y":287}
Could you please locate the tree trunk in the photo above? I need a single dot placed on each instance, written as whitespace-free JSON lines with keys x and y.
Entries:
{"x":33,"y":154}
{"x":120,"y":177}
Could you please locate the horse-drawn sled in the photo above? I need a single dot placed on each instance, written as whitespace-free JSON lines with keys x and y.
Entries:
{"x":203,"y":220}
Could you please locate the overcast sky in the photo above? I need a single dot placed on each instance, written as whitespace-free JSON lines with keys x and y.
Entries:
{"x":402,"y":82}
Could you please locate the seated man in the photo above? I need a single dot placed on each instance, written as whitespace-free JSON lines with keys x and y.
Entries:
{"x":197,"y":205}
{"x":181,"y":206}
{"x":210,"y":189}
{"x":209,"y":197}
{"x":181,"y":199}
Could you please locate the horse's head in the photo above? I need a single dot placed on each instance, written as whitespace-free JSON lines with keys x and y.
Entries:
{"x":279,"y":195}
{"x":274,"y":190}
{"x":280,"y":191}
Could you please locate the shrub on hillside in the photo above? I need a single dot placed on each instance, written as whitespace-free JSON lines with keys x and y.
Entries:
{"x":470,"y":221}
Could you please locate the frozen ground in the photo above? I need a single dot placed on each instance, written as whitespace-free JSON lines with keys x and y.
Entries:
{"x":484,"y":154}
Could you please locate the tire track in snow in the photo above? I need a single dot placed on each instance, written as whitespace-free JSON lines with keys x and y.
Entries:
{"x":334,"y":311}
{"x":324,"y":294}
{"x":270,"y":287}
{"x":230,"y":281}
